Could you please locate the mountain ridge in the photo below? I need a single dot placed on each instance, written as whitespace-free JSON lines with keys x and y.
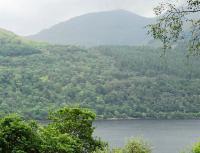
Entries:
{"x":116,"y":27}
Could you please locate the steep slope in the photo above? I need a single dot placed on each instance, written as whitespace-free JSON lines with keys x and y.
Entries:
{"x":117,"y":27}
{"x":13,"y":45}
{"x":114,"y":81}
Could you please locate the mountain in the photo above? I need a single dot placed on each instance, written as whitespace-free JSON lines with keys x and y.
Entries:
{"x":118,"y":27}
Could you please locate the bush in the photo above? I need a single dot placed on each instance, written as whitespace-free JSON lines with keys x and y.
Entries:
{"x":196,"y":148}
{"x":18,"y":136}
{"x":55,"y":142}
{"x":137,"y":146}
{"x":78,"y":123}
{"x":69,"y":132}
{"x":104,"y":150}
{"x":133,"y":146}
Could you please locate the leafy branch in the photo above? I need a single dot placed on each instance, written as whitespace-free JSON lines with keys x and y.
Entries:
{"x":173,"y":22}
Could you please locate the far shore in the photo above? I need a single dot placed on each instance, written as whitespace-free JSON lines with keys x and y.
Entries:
{"x":124,"y":119}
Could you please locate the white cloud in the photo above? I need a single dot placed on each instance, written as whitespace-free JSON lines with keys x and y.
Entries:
{"x":30,"y":16}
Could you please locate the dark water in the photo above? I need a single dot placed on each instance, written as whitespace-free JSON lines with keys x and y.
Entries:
{"x":166,"y":136}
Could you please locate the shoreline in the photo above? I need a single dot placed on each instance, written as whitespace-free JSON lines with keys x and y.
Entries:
{"x":132,"y":119}
{"x":120,"y":119}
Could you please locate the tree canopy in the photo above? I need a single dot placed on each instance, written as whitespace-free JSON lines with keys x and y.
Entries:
{"x":69,"y":131}
{"x":114,"y":81}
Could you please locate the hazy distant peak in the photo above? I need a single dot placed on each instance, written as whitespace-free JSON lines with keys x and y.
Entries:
{"x":115,"y":27}
{"x":120,"y":11}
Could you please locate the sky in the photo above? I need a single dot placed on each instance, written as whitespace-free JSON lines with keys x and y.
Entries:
{"x":25,"y":17}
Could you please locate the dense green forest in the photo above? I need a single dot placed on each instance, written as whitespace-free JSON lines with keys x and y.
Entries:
{"x":13,"y":45}
{"x":114,"y":81}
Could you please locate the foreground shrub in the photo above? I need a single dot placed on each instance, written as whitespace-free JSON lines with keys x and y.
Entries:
{"x":55,"y":142}
{"x":104,"y":150}
{"x":78,"y":123}
{"x":196,"y":148}
{"x":133,"y":146}
{"x":137,"y":146}
{"x":18,"y":136}
{"x":117,"y":150}
{"x":69,"y":132}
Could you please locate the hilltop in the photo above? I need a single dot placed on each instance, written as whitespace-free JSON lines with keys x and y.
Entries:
{"x":118,"y":27}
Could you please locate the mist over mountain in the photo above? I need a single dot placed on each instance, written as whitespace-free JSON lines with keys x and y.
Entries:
{"x":118,"y":27}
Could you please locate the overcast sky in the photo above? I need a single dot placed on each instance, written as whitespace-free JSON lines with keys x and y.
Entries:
{"x":26,"y":17}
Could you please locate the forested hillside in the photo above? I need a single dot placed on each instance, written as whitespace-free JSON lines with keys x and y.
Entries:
{"x":115,"y":81}
{"x":13,"y":45}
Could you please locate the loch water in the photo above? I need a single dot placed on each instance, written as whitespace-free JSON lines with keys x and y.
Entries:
{"x":165,"y":136}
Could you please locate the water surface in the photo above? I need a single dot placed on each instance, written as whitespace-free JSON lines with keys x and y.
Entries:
{"x":166,"y":136}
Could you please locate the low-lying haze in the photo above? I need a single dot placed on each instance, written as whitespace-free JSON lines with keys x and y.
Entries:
{"x":27,"y":17}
